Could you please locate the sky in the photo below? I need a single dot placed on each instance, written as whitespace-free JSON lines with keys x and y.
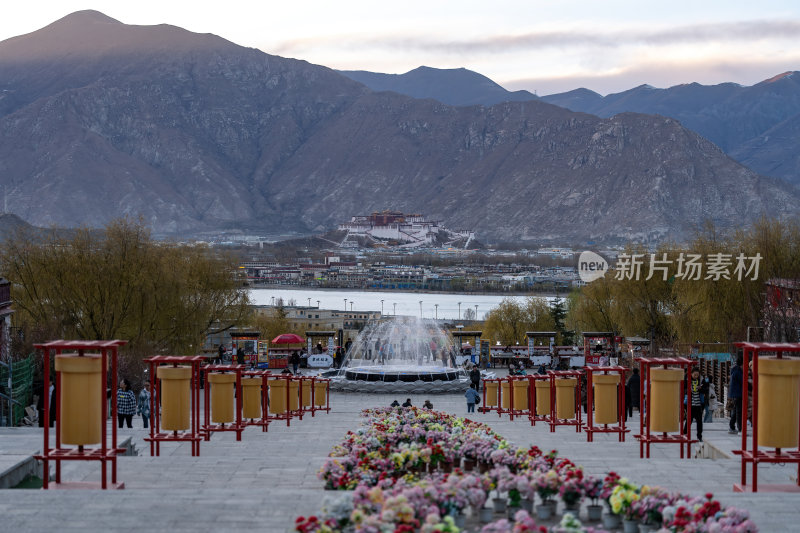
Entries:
{"x":543,"y":46}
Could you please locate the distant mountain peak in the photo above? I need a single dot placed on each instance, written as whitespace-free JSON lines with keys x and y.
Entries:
{"x":86,"y":16}
{"x":779,"y":77}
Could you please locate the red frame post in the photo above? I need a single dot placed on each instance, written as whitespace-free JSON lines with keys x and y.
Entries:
{"x":237,"y":426}
{"x":753,"y":456}
{"x":264,"y":375}
{"x":590,"y":428}
{"x":532,"y":416}
{"x":193,"y":436}
{"x":104,"y":454}
{"x":683,"y":438}
{"x":554,"y":420}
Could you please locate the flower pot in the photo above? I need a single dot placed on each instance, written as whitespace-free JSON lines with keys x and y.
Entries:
{"x":446,"y":467}
{"x":572,"y":506}
{"x":544,"y":511}
{"x":526,"y":504}
{"x":483,"y":467}
{"x":512,"y":510}
{"x":469,"y":465}
{"x":611,"y":521}
{"x":630,"y":526}
{"x":594,"y":512}
{"x":647,"y":528}
{"x":486,"y":515}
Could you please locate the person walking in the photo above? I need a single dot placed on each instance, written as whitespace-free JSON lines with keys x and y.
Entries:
{"x":735,"y":397}
{"x":475,"y":377}
{"x":126,"y":403}
{"x":698,"y":388}
{"x":144,"y":404}
{"x":294,"y":360}
{"x":633,"y":392}
{"x":472,"y":398}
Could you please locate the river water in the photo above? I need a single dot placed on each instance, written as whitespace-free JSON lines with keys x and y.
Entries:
{"x":390,"y":303}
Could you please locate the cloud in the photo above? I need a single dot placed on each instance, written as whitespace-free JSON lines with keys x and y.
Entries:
{"x":661,"y":74}
{"x":759,"y":30}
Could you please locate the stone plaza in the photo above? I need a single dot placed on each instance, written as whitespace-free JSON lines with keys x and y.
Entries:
{"x":267,"y":479}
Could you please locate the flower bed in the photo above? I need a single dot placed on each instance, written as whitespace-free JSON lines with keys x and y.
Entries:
{"x":396,"y":469}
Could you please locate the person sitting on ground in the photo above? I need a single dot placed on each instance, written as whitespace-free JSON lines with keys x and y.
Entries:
{"x":395,"y":403}
{"x":407,"y":403}
{"x":541,"y":370}
{"x":427,"y":405}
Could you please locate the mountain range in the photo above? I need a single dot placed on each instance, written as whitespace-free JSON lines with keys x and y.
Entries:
{"x":759,"y":126}
{"x":100,"y":119}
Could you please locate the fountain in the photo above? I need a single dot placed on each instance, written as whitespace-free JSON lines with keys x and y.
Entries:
{"x":402,"y":354}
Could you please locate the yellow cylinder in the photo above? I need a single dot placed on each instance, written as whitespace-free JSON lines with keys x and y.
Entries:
{"x":505,"y":394}
{"x":176,"y":397}
{"x":222,"y":397}
{"x":321,"y":393}
{"x":277,"y":396}
{"x":665,"y":400}
{"x":251,"y":397}
{"x":521,"y":394}
{"x":565,"y":398}
{"x":294,"y":396}
{"x":81,"y":398}
{"x":491,"y":393}
{"x":542,"y":396}
{"x":306,"y":392}
{"x":606,"y":410}
{"x":778,"y":402}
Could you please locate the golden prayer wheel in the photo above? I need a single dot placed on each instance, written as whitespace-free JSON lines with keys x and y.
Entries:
{"x":505,"y":394}
{"x":606,"y":410}
{"x":222,"y":397}
{"x":277,"y":396}
{"x":665,"y":399}
{"x":321,"y":393}
{"x":306,"y":385}
{"x":81,"y":398}
{"x":251,"y":397}
{"x":176,"y":397}
{"x":521,"y":394}
{"x":542,"y":396}
{"x":490,"y":388}
{"x":565,"y":398}
{"x":778,"y":402}
{"x":294,"y":395}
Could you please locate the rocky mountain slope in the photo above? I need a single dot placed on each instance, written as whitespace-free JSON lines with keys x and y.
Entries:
{"x":100,"y":119}
{"x":457,"y":86}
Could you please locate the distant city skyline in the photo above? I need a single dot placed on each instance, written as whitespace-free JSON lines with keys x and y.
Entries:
{"x":542,"y":46}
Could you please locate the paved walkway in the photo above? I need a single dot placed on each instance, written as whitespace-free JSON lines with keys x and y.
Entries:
{"x":265,"y":481}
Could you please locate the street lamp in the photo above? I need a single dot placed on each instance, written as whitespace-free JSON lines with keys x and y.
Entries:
{"x":381,"y":307}
{"x":476,"y":311}
{"x":309,"y":302}
{"x":394,"y":313}
{"x":351,"y":306}
{"x":345,"y":305}
{"x":420,"y":308}
{"x":317,"y":304}
{"x":459,"y":310}
{"x":437,"y":310}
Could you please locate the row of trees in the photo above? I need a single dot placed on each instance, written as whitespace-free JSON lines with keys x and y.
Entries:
{"x":508,"y":322}
{"x":674,"y":307}
{"x":119,"y":283}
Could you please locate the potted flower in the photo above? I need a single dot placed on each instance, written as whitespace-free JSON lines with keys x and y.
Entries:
{"x":622,"y":498}
{"x":611,"y":520}
{"x":593,"y":489}
{"x":546,"y":484}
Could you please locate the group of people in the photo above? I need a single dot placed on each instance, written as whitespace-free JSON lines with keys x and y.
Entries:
{"x":129,"y":404}
{"x":426,"y":405}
